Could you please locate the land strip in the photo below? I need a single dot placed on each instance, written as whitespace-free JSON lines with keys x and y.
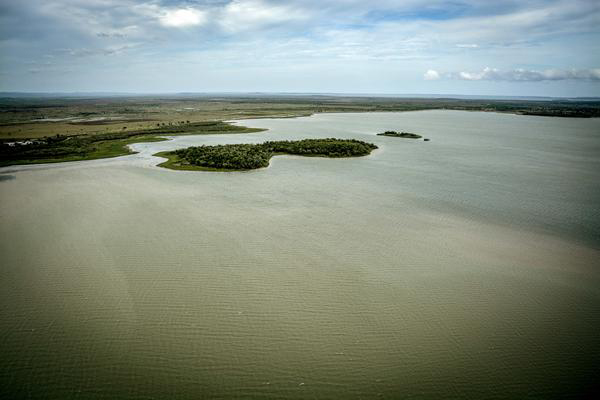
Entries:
{"x":38,"y":117}
{"x":90,"y":147}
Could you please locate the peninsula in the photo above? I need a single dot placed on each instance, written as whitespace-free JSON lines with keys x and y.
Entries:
{"x":241,"y":157}
{"x":60,"y":148}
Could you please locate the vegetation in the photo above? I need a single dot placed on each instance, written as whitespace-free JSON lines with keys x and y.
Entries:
{"x":45,"y":128}
{"x":407,"y":135}
{"x":233,"y":156}
{"x":329,"y":147}
{"x":31,"y":116}
{"x":89,"y":147}
{"x":236,"y":157}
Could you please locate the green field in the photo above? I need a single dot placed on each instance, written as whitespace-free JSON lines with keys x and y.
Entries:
{"x":91,"y":147}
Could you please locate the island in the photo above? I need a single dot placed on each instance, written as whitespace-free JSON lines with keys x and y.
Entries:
{"x":241,"y":157}
{"x":407,"y":135}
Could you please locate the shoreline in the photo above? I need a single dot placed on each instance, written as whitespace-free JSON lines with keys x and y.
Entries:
{"x":124,"y":143}
{"x":406,"y":111}
{"x":119,"y":146}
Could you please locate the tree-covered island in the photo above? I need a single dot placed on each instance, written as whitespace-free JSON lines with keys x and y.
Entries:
{"x":407,"y":135}
{"x":239,"y":157}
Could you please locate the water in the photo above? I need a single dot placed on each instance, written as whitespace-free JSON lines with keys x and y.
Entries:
{"x":463,"y":267}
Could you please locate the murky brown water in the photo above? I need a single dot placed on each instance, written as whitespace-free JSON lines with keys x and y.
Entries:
{"x":465,"y":267}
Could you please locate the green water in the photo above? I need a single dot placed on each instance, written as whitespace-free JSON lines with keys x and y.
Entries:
{"x":463,"y":267}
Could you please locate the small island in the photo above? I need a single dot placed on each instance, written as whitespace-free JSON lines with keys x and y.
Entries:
{"x":241,"y":157}
{"x":407,"y":135}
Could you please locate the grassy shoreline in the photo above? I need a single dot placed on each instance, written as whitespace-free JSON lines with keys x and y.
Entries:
{"x":108,"y":149}
{"x":93,"y":147}
{"x":174,"y":162}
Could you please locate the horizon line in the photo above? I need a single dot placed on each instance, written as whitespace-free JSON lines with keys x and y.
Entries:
{"x":7,"y":93}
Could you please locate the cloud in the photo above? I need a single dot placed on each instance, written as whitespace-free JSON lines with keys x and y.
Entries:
{"x":382,"y":45}
{"x":105,"y":51}
{"x":431,"y":75}
{"x":524,"y":75}
{"x":240,"y":15}
{"x":182,"y":18}
{"x":110,"y":35}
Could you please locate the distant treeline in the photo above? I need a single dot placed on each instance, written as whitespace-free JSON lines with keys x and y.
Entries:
{"x":251,"y":156}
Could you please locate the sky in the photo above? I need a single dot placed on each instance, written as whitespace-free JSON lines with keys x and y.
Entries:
{"x":472,"y":47}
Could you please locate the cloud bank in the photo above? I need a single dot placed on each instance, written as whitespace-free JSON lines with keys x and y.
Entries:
{"x":387,"y":46}
{"x":524,"y":75}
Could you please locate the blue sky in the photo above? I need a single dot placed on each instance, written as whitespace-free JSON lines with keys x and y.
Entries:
{"x":479,"y":47}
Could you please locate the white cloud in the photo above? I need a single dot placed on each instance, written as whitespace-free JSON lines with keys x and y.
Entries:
{"x":182,"y":18}
{"x":389,"y":41}
{"x":431,"y":75}
{"x":241,"y":15}
{"x":519,"y":75}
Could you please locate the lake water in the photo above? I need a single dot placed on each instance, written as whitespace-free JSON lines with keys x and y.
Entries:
{"x":463,"y":267}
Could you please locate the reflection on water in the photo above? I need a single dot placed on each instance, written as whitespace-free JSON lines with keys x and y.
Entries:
{"x":462,"y":267}
{"x":4,"y":177}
